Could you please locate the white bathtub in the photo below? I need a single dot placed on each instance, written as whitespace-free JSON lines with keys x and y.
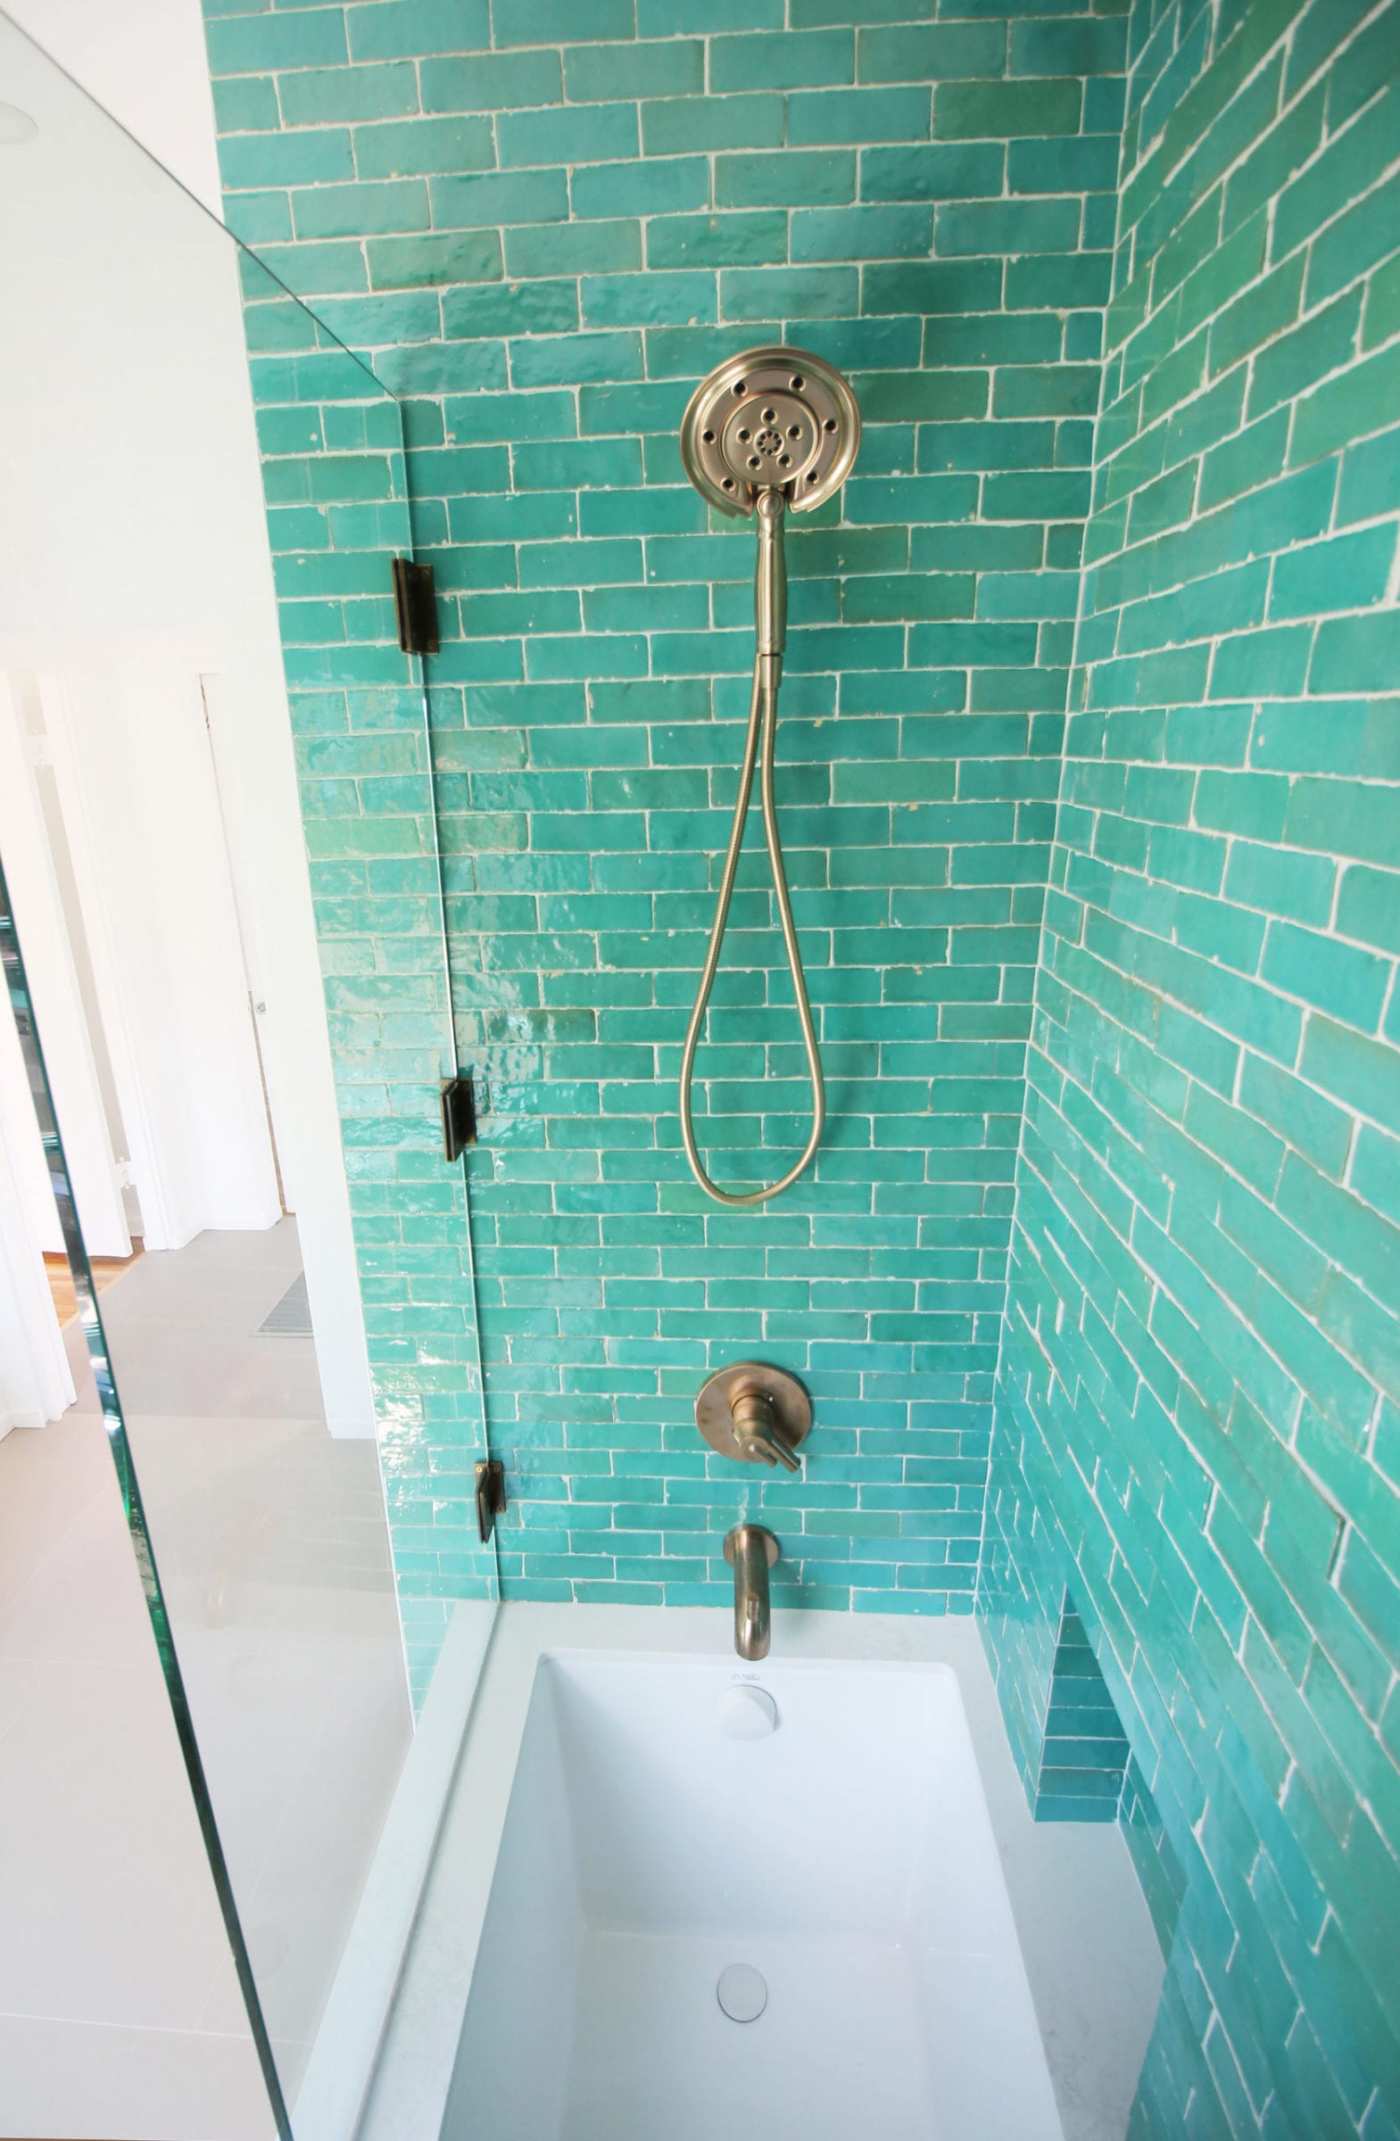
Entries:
{"x":846,"y":1857}
{"x":603,"y":1851}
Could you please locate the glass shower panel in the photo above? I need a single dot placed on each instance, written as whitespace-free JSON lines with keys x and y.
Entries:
{"x":221,"y":848}
{"x":87,"y":1917}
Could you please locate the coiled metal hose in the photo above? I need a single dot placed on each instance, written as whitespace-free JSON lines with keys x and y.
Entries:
{"x":771,"y":615}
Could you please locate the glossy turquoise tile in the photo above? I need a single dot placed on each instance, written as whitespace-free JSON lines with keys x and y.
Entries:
{"x":494,"y":81}
{"x":320,"y":95}
{"x":264,"y":43}
{"x":858,"y":115}
{"x":940,"y":53}
{"x":795,"y":59}
{"x":1186,"y":1433}
{"x":353,"y":210}
{"x":408,"y":29}
{"x":592,"y":133}
{"x":793,"y":179}
{"x":1194,"y":1308}
{"x":683,"y":125}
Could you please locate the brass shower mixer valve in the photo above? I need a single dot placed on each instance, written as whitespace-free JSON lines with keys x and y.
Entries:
{"x":755,"y":1413}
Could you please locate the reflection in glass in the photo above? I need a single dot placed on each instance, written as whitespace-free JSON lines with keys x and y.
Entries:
{"x":88,"y":1320}
{"x":229,"y":900}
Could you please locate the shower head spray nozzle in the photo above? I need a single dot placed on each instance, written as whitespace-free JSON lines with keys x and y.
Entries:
{"x":770,"y":419}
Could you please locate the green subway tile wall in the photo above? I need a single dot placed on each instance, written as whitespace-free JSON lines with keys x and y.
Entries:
{"x":1196,"y":1424}
{"x":1083,"y":1753}
{"x":336,"y":485}
{"x":540,"y":243}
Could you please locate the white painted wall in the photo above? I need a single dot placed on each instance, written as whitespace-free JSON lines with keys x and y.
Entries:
{"x":144,"y":61}
{"x":132,"y":539}
{"x":142,"y":815}
{"x":56,"y":995}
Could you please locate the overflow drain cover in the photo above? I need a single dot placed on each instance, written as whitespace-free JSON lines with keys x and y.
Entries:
{"x":741,"y":1992}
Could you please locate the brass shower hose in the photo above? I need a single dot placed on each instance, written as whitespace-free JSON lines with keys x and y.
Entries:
{"x":770,"y":609}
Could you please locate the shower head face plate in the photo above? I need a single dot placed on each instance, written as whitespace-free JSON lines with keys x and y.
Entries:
{"x":770,"y":419}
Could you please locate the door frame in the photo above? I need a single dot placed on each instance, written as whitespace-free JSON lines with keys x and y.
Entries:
{"x":56,"y":995}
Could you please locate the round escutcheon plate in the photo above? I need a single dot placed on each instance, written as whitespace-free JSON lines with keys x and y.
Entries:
{"x":714,"y":1406}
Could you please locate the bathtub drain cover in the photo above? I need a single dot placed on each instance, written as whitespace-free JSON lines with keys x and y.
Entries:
{"x":741,"y":1992}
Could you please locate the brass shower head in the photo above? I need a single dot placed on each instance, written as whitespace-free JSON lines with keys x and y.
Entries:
{"x":770,"y":419}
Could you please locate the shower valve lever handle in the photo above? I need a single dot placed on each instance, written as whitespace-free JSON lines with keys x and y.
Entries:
{"x":757,"y":1429}
{"x":776,"y":1451}
{"x":766,"y":1443}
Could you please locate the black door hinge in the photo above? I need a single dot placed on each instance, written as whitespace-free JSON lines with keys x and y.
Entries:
{"x":490,"y":1495}
{"x":415,"y":601}
{"x":458,"y":1116}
